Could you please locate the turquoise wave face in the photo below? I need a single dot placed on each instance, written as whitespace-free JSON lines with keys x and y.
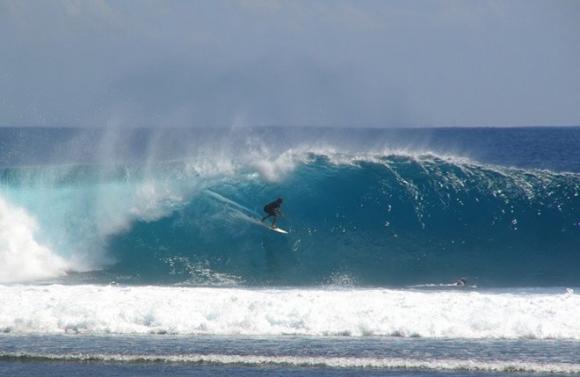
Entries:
{"x":381,"y":220}
{"x":392,"y":220}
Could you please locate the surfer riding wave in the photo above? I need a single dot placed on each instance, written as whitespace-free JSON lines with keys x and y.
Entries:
{"x":273,"y":210}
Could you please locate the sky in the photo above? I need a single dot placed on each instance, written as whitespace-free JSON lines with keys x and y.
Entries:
{"x":328,"y":63}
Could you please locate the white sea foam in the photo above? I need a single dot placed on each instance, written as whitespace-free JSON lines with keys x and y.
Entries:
{"x":91,"y":309}
{"x":310,"y":361}
{"x":22,"y":256}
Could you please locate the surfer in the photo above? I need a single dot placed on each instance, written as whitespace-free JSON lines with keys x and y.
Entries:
{"x":461,"y":282}
{"x":273,"y":210}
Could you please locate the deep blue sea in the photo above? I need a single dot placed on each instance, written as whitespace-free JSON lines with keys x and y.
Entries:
{"x":140,"y":252}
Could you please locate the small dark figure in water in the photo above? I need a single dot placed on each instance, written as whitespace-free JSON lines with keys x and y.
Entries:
{"x":461,"y":282}
{"x":273,"y":210}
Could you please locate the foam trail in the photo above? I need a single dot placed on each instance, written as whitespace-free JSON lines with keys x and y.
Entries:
{"x":90,"y":309}
{"x":231,"y":203}
{"x":237,"y":211}
{"x":22,"y":257}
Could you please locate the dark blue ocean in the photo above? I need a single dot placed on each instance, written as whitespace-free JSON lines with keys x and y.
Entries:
{"x":141,"y":252}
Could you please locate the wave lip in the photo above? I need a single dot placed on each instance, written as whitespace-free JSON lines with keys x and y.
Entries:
{"x":274,"y":312}
{"x":301,"y":361}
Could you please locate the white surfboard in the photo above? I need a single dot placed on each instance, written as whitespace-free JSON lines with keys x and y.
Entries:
{"x":278,"y":230}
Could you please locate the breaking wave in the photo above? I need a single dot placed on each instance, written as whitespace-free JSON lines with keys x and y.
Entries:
{"x":381,"y":219}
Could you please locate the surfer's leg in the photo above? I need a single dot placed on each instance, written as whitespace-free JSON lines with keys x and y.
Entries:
{"x":264,"y":218}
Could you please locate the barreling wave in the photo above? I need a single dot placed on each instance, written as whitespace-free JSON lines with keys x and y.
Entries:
{"x":355,"y":219}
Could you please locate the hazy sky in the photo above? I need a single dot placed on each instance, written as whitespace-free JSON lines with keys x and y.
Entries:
{"x":257,"y":62}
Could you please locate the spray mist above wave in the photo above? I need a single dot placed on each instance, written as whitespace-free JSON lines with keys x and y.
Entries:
{"x":555,"y":149}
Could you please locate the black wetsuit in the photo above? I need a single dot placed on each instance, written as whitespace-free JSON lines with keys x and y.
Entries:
{"x":273,"y":210}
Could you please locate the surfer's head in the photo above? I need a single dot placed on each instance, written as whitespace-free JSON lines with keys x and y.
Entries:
{"x":279,"y":200}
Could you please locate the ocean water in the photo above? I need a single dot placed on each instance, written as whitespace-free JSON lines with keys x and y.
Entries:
{"x":140,"y":252}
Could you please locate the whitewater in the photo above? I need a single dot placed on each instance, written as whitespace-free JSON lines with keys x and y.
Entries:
{"x":141,"y":247}
{"x":82,"y":309}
